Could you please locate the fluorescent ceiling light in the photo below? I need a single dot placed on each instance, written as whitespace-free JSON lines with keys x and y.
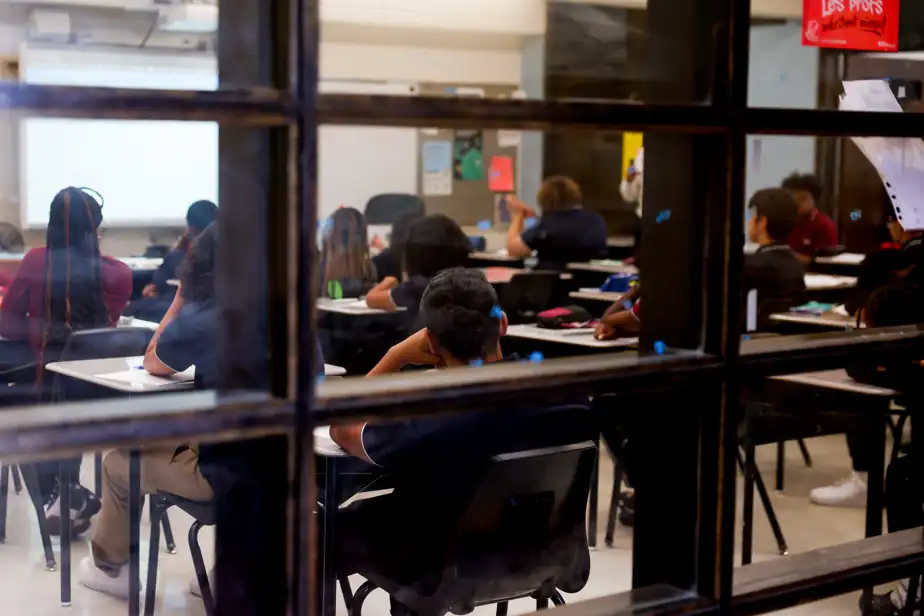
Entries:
{"x":198,"y":18}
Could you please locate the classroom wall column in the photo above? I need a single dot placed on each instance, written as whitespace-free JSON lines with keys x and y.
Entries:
{"x":532,"y":143}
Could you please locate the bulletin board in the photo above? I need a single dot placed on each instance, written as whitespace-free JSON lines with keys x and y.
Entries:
{"x":471,"y":201}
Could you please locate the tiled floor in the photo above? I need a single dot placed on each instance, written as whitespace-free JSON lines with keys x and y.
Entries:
{"x":28,"y":590}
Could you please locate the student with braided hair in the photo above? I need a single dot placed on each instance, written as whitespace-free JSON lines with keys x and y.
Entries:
{"x":65,"y":287}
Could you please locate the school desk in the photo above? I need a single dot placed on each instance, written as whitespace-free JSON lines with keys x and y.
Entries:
{"x":820,"y":282}
{"x":828,"y":320}
{"x":350,"y":306}
{"x":794,"y":406}
{"x":596,"y":295}
{"x":551,"y":343}
{"x":495,"y":259}
{"x":604,"y":268}
{"x":620,"y":246}
{"x":847,"y":263}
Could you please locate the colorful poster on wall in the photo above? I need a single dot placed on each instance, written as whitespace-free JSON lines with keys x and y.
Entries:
{"x":500,"y":175}
{"x":863,"y":25}
{"x":469,"y":159}
{"x":631,"y":144}
{"x":437,"y":168}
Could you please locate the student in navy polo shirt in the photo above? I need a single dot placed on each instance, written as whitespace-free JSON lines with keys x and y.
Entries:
{"x":566,"y":233}
{"x":814,"y":229}
{"x":774,"y":270}
{"x":434,"y":244}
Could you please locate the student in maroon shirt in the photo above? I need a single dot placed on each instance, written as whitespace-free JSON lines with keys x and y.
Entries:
{"x":64,"y":288}
{"x":815,"y":229}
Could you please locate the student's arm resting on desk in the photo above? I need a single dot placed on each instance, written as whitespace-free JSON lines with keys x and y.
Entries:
{"x":517,"y":246}
{"x":165,"y":364}
{"x":618,"y":325}
{"x":414,"y":350}
{"x":380,"y":295}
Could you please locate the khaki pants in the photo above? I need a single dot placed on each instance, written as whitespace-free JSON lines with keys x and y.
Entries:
{"x":160,"y":471}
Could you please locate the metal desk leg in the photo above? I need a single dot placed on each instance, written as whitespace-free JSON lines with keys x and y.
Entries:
{"x":594,"y":497}
{"x":64,"y":485}
{"x":780,"y":461}
{"x":876,"y":479}
{"x":328,"y":557}
{"x":134,"y":518}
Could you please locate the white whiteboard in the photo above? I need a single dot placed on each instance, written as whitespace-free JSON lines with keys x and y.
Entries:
{"x":355,"y":163}
{"x":148,"y":172}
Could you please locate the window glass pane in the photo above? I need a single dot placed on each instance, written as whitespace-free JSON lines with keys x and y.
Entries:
{"x":787,"y":73}
{"x":533,"y":49}
{"x":123,"y":44}
{"x":183,"y":494}
{"x":97,"y":247}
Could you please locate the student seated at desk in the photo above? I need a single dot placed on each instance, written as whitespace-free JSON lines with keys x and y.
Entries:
{"x":159,"y":294}
{"x":434,"y":244}
{"x":462,"y":325}
{"x":346,"y":266}
{"x":388,"y":263}
{"x":911,"y":244}
{"x":65,"y":287}
{"x":774,"y":270}
{"x":11,"y":241}
{"x":814,"y":229}
{"x":566,"y":233}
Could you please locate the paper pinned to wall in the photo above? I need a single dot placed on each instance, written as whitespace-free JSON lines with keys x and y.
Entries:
{"x":899,"y":161}
{"x":437,"y":168}
{"x":508,"y":139}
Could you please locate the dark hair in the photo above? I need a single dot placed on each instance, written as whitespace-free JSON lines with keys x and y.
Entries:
{"x":559,"y":192}
{"x":897,"y":303}
{"x":399,"y":234}
{"x":876,"y":270}
{"x":435,"y":243}
{"x":73,"y":289}
{"x":346,"y":248}
{"x":200,"y":215}
{"x":804,"y":181}
{"x":11,"y":239}
{"x":197,"y":272}
{"x":779,"y":208}
{"x":459,"y":309}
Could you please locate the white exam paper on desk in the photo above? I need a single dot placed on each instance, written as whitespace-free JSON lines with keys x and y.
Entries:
{"x":138,"y":377}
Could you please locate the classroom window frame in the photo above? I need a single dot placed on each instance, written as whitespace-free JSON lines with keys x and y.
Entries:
{"x":291,"y":113}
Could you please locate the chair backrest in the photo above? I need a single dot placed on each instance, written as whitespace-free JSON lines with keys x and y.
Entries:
{"x":528,"y":293}
{"x":387,"y":209}
{"x":512,"y":527}
{"x":97,"y":344}
{"x":479,"y":242}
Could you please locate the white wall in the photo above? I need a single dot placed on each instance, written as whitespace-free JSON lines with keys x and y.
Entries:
{"x":784,"y":74}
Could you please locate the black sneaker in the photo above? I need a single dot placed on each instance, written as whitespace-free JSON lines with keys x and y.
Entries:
{"x":84,"y":505}
{"x":627,"y":509}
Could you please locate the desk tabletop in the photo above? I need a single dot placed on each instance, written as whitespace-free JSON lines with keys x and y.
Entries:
{"x":816,"y":282}
{"x":836,"y":379}
{"x":828,"y":319}
{"x":500,"y":275}
{"x":613,"y":267}
{"x":500,"y":256}
{"x":141,"y":263}
{"x":846,"y":258}
{"x":576,"y":337}
{"x":126,"y":374}
{"x":350,"y":306}
{"x":620,"y":241}
{"x":596,"y":295}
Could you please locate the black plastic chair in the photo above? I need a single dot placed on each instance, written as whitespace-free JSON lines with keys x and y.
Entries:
{"x":512,"y":529}
{"x":527,"y":294}
{"x":203,"y":514}
{"x":479,"y":242}
{"x":387,"y":209}
{"x":30,"y":478}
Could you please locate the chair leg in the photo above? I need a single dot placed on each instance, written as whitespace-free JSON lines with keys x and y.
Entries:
{"x":157,"y":510}
{"x":17,"y":482}
{"x":168,"y":532}
{"x":4,"y":493}
{"x":542,"y":604}
{"x":593,"y":504}
{"x":360,"y":597}
{"x":614,"y":504}
{"x":202,"y":574}
{"x":64,"y":487}
{"x":346,"y":590}
{"x":806,"y":456}
{"x":502,"y":608}
{"x":557,"y":599}
{"x":771,"y":514}
{"x":780,"y":460}
{"x":747,"y":514}
{"x":30,"y":480}
{"x":911,"y":599}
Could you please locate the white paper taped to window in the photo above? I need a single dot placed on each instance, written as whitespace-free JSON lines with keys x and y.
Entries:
{"x":898,"y":161}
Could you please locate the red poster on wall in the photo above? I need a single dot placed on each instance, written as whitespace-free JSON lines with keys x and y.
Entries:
{"x":869,"y":25}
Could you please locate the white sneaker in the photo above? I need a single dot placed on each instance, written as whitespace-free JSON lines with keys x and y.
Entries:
{"x":194,"y":589}
{"x":849,"y":492}
{"x":96,"y":579}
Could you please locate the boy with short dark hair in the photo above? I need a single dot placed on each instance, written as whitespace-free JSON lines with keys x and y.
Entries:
{"x":814,"y":230}
{"x":774,"y":270}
